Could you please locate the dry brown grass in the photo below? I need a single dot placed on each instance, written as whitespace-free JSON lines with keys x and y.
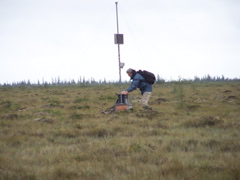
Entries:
{"x":59,"y":133}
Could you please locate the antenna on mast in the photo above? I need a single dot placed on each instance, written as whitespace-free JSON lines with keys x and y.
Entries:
{"x":118,"y":39}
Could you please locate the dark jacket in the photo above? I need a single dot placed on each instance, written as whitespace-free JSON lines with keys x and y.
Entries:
{"x":138,"y":81}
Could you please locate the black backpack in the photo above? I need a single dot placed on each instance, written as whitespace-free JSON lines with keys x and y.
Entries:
{"x":148,"y":76}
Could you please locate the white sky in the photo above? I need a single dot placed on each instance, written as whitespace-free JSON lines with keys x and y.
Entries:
{"x":47,"y":39}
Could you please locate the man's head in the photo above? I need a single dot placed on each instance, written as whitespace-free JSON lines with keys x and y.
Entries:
{"x":130,"y":72}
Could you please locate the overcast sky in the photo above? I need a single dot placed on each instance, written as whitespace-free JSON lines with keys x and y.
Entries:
{"x":69,"y":39}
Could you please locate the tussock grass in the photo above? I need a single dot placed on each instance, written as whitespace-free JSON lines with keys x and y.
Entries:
{"x":203,"y":121}
{"x":60,"y":133}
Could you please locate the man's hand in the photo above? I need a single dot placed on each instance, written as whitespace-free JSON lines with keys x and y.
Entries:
{"x":125,"y":92}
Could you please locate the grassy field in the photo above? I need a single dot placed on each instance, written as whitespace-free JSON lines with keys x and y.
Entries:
{"x":57,"y":132}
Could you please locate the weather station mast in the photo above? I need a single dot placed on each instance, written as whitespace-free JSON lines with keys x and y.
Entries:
{"x":118,"y":39}
{"x":122,"y":101}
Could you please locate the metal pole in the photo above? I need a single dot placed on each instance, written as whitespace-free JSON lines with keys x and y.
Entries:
{"x":119,"y":61}
{"x":117,"y":16}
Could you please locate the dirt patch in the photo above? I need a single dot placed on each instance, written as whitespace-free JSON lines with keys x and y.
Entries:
{"x":159,"y":100}
{"x":227,"y":91}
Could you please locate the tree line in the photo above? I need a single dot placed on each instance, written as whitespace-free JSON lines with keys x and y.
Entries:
{"x":92,"y":81}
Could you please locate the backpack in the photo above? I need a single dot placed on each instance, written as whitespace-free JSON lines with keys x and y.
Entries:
{"x":148,"y":76}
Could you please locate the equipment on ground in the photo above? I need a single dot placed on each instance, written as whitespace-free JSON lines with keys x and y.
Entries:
{"x":122,"y":104}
